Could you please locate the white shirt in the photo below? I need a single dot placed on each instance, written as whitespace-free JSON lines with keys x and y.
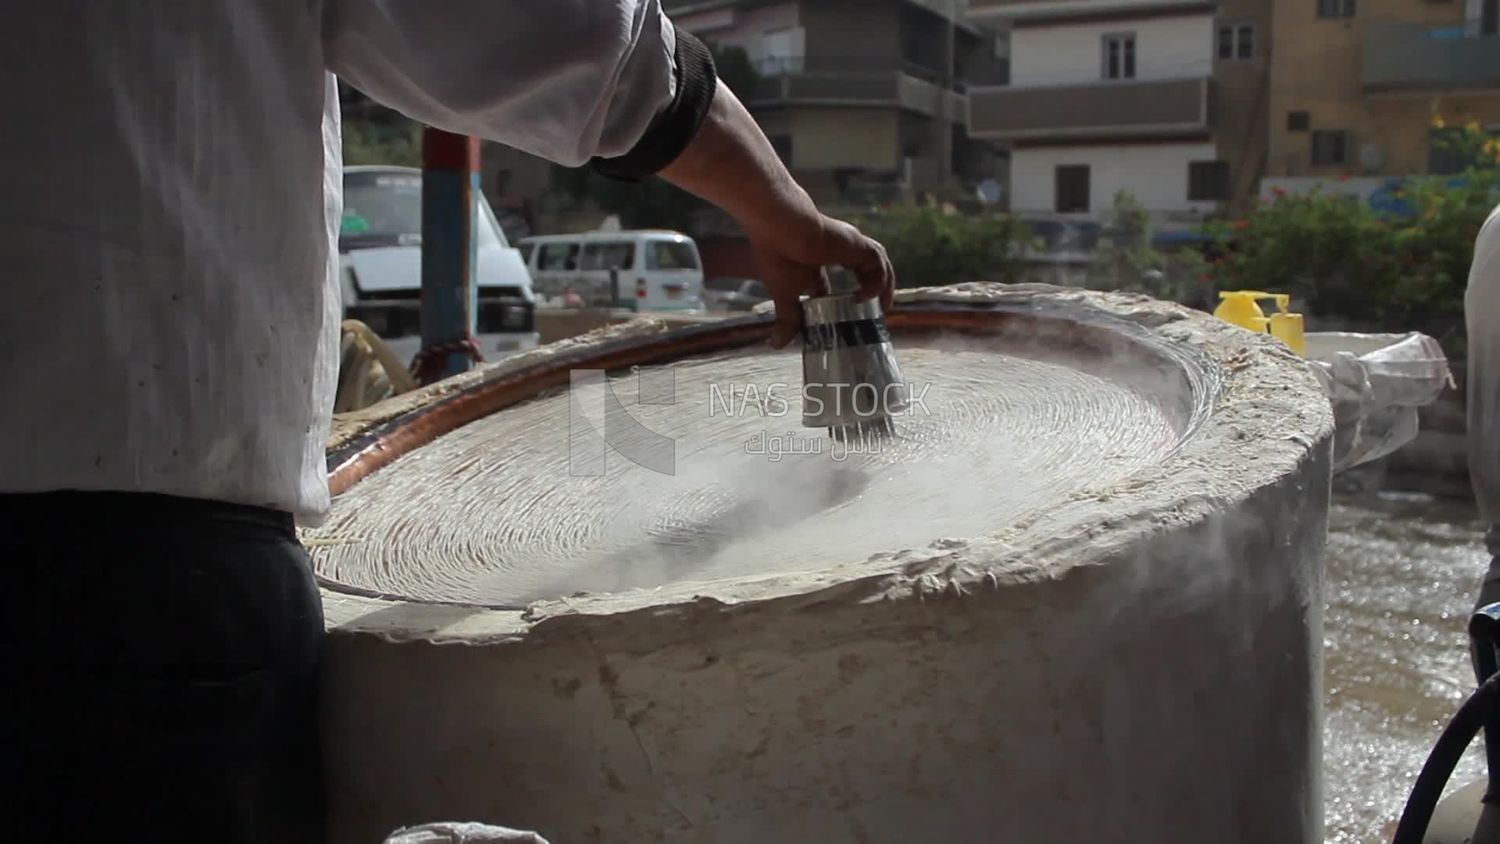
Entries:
{"x":170,"y":204}
{"x":1482,"y":318}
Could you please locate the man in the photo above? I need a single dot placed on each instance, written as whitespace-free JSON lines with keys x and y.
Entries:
{"x":1481,"y":309}
{"x":168,"y":211}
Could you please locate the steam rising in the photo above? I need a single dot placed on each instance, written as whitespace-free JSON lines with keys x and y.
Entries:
{"x":491,"y":513}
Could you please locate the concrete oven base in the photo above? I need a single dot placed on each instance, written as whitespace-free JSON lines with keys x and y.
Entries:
{"x":1138,"y":663}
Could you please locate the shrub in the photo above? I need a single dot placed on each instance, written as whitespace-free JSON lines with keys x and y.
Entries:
{"x":395,"y":141}
{"x":931,"y":246}
{"x":1401,"y":268}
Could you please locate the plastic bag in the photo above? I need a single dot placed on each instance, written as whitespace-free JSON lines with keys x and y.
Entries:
{"x":1376,"y":383}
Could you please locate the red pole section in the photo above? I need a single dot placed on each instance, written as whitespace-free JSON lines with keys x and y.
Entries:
{"x":450,"y":186}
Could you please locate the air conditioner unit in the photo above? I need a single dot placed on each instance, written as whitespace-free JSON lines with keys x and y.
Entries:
{"x":989,"y":192}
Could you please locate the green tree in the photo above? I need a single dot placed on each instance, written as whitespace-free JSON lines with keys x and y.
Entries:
{"x":385,"y":141}
{"x":929,"y":246}
{"x":1401,"y":269}
{"x":1124,"y":258}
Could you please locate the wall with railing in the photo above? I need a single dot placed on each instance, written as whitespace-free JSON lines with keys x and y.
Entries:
{"x":1412,"y":57}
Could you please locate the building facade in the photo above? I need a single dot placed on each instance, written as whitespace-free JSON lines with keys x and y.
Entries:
{"x":1165,"y":100}
{"x":1356,"y":85}
{"x":862,"y":98}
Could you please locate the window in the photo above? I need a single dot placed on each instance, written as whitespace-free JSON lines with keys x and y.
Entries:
{"x":608,"y":256}
{"x":385,"y":208}
{"x":382,"y":205}
{"x":1119,"y":56}
{"x":1237,"y":41}
{"x":781,"y":51}
{"x":671,"y":255}
{"x":558,"y":256}
{"x":526,"y":250}
{"x":1330,"y":147}
{"x":911,"y":46}
{"x":1244,"y":41}
{"x":1072,"y":188}
{"x":1208,"y":180}
{"x":1489,"y":17}
{"x":1297,"y":121}
{"x":1335,"y":8}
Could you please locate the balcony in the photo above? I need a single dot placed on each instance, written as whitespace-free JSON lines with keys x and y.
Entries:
{"x":1409,"y":57}
{"x":1037,"y":10}
{"x":952,"y":10}
{"x":855,"y":80}
{"x":1167,"y":107}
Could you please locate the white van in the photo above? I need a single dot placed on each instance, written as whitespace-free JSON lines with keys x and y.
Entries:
{"x":657,"y":270}
{"x":380,"y":261}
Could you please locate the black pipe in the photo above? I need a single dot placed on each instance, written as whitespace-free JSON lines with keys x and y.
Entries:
{"x":1484,"y":660}
{"x":1484,"y":640}
{"x":1444,"y":758}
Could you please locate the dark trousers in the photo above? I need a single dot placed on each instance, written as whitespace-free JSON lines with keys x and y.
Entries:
{"x":159,"y":661}
{"x":1489,"y":585}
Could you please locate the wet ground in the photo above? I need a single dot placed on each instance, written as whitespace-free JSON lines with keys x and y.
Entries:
{"x":1402,"y":575}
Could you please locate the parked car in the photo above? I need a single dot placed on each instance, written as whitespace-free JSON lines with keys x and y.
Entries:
{"x":654,"y":270}
{"x":380,"y":260}
{"x":735,"y":294}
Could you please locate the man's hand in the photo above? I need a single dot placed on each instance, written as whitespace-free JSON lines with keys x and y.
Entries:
{"x":731,"y":164}
{"x":792,"y":261}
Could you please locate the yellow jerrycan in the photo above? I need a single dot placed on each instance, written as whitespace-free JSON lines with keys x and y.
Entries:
{"x":1241,"y":308}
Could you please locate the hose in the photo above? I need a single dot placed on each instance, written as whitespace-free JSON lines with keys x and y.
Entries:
{"x":1438,"y":768}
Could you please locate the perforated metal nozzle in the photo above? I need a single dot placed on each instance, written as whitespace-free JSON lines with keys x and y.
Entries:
{"x":851,"y":382}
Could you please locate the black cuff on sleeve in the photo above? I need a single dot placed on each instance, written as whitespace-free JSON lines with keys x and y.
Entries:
{"x":671,"y":131}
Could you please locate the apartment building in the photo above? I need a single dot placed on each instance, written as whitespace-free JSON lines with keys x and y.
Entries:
{"x":1164,"y":99}
{"x":1355,"y":85}
{"x":862,"y":98}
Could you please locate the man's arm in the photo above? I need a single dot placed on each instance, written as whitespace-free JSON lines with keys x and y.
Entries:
{"x":732,"y":164}
{"x":607,"y":82}
{"x":565,"y":80}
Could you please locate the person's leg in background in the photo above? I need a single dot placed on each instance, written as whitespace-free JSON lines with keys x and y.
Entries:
{"x":162,"y":662}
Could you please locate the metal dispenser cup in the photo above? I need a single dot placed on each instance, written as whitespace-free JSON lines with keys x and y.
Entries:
{"x":852,"y":385}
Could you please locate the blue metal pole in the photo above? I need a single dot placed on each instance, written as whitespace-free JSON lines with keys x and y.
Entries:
{"x":450,"y":183}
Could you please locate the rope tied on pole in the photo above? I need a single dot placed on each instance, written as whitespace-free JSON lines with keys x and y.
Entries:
{"x":431,"y":364}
